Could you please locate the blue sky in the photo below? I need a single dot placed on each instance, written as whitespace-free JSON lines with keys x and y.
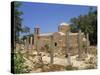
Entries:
{"x":49,"y":16}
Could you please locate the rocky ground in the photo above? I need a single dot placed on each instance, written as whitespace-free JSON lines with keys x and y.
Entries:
{"x":35,"y":64}
{"x":41,"y":63}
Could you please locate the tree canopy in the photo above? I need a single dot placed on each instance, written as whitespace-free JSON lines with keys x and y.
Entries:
{"x":18,"y":27}
{"x":17,"y":20}
{"x":87,"y":23}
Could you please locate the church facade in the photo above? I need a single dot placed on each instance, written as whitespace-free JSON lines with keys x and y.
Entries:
{"x":58,"y":39}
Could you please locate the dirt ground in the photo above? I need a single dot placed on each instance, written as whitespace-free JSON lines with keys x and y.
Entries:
{"x":59,"y":64}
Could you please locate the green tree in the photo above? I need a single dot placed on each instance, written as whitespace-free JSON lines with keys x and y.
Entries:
{"x":87,"y":23}
{"x":17,"y":21}
{"x":17,"y":60}
{"x":26,"y":29}
{"x":18,"y":27}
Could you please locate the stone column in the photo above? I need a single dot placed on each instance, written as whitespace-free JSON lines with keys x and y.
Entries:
{"x":51,"y":51}
{"x":68,"y":48}
{"x":25,"y":44}
{"x":87,"y":42}
{"x":79,"y":44}
{"x":37,"y":44}
{"x":67,"y":42}
{"x":31,"y":39}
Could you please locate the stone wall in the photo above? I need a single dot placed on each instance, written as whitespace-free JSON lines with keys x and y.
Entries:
{"x":59,"y":42}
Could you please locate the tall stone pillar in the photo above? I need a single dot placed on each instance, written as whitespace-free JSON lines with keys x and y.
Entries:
{"x":31,"y":41}
{"x":51,"y":51}
{"x":25,"y":45}
{"x":67,"y":42}
{"x":79,"y":45}
{"x":36,"y":43}
{"x":68,"y":48}
{"x":87,"y":42}
{"x":36,"y":34}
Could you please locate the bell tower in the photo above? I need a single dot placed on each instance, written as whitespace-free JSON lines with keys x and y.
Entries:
{"x":63,"y":27}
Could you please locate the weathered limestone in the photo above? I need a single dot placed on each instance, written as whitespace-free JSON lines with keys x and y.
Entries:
{"x":79,"y":44}
{"x":87,"y":42}
{"x":36,"y":34}
{"x":31,"y":41}
{"x":68,"y":48}
{"x":30,"y":47}
{"x":37,"y":45}
{"x":51,"y":51}
{"x":80,"y":53}
{"x":67,"y":42}
{"x":39,"y":61}
{"x":63,"y":27}
{"x":27,"y":46}
{"x":59,"y":39}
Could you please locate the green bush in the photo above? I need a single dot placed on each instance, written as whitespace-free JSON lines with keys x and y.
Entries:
{"x":47,"y":47}
{"x":18,"y":61}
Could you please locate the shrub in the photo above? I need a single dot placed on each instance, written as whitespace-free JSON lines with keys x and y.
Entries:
{"x":47,"y":47}
{"x":18,"y":61}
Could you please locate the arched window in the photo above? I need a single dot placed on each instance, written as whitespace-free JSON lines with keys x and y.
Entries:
{"x":55,"y":43}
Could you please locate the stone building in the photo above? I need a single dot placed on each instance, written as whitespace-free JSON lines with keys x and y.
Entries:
{"x":58,"y":38}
